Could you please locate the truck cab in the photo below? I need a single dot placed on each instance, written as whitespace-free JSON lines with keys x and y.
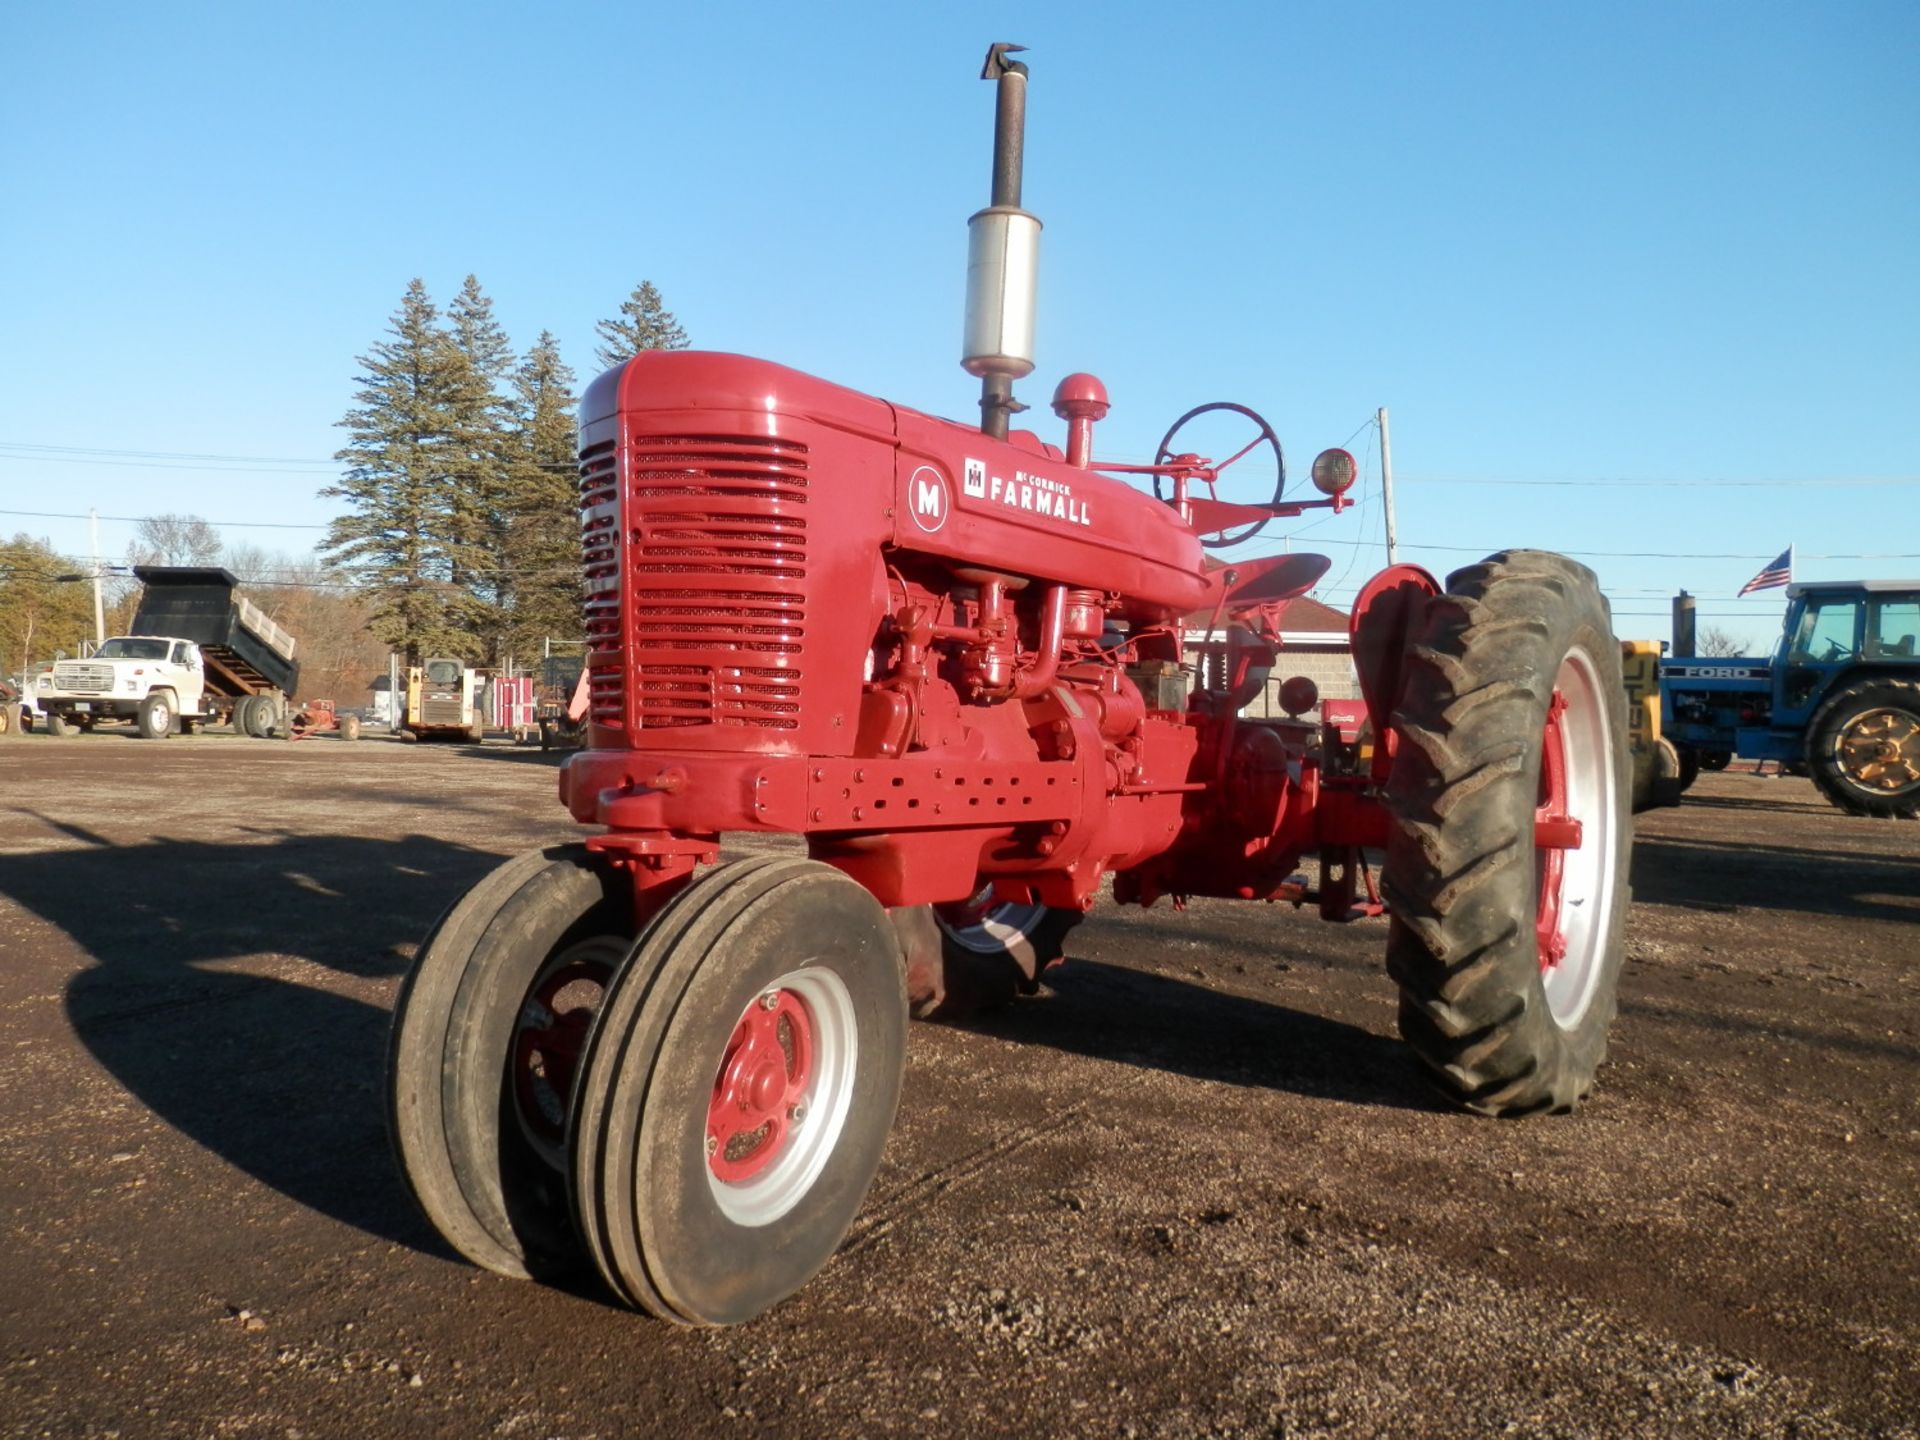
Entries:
{"x":1840,"y":695}
{"x":150,"y":679}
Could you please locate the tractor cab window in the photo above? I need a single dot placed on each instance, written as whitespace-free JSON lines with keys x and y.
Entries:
{"x":443,"y":672}
{"x":1829,"y":631}
{"x":1893,"y":628}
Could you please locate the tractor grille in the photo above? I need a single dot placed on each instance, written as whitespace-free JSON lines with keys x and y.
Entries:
{"x":714,"y":574}
{"x":600,"y":557}
{"x":442,"y":710}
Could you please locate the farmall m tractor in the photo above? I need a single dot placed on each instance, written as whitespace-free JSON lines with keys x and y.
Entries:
{"x":950,"y":663}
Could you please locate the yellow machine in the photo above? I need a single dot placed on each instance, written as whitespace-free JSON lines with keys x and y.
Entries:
{"x":444,"y":702}
{"x":1656,"y":764}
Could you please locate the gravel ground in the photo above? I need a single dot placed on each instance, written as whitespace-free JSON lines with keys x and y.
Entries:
{"x":1195,"y":1188}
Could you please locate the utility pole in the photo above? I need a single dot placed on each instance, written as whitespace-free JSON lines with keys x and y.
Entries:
{"x":1386,"y":480}
{"x":99,"y":607}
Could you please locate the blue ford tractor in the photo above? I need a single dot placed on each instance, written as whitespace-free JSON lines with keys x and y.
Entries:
{"x":1840,"y":696}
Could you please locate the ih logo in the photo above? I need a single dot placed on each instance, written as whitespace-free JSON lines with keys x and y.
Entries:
{"x":927,"y":498}
{"x":976,"y":481}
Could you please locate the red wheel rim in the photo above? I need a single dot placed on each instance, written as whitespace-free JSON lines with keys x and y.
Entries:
{"x":1554,"y":833}
{"x":759,"y":1093}
{"x":548,"y":1040}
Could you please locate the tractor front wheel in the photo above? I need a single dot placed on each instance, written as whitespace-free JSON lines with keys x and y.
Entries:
{"x":1507,"y":861}
{"x":487,"y":1035}
{"x":737,"y":1090}
{"x":1863,"y":748}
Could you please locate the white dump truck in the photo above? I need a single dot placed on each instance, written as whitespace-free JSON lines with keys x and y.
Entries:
{"x":197,"y":654}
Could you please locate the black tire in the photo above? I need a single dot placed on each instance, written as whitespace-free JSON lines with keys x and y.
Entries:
{"x":1863,"y":748}
{"x":349,"y":727}
{"x":1464,"y":880}
{"x":476,"y":733}
{"x":57,"y":724}
{"x":1663,"y":779}
{"x":242,"y":720}
{"x":1714,"y":759}
{"x":1689,"y":766}
{"x":477,"y":1114}
{"x":155,"y":718}
{"x":26,"y":721}
{"x":669,"y":1233}
{"x":265,"y":717}
{"x":961,"y":961}
{"x":6,"y":718}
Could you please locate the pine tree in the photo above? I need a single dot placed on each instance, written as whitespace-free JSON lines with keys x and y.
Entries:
{"x":480,"y":423}
{"x":645,"y":323}
{"x":543,"y":540}
{"x":404,"y":466}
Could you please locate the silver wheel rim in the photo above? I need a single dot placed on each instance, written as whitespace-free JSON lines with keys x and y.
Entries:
{"x":162,"y":717}
{"x":828,"y":1097}
{"x":995,"y":932}
{"x":1588,"y":879}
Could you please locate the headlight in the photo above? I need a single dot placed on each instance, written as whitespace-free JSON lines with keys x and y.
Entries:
{"x":46,"y":682}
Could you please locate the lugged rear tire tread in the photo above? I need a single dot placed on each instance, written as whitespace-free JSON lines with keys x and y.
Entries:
{"x":1459,"y":876}
{"x":1872,"y":693}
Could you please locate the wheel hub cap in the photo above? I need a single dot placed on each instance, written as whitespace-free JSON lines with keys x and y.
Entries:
{"x":762,"y":1083}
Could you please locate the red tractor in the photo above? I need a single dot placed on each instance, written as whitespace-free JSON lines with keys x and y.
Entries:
{"x":952,"y":661}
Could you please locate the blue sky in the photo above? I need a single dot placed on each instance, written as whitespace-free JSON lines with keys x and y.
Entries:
{"x":1668,"y":244}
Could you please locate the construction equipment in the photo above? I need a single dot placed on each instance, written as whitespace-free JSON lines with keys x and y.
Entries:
{"x":949,"y":661}
{"x":196,"y":654}
{"x":1840,"y":695}
{"x":444,"y":702}
{"x":1656,"y":763}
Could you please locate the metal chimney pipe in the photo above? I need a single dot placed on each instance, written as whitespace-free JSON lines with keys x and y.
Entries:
{"x":1683,"y":631}
{"x":1003,"y":257}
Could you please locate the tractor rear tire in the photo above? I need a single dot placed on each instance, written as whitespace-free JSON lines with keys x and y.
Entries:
{"x":737,"y":1091}
{"x":349,"y":727}
{"x":1863,"y":748}
{"x":487,"y":1032}
{"x":1506,"y":947}
{"x":964,"y":960}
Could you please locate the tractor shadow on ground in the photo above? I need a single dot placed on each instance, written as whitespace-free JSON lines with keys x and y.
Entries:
{"x":1136,"y":1017}
{"x":1721,"y":878}
{"x":279,"y":1077}
{"x":521,"y":754}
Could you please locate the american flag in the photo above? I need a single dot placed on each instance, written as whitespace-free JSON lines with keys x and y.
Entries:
{"x":1780,"y":572}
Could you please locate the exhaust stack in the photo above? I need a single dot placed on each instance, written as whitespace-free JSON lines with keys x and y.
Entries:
{"x":1003,"y":258}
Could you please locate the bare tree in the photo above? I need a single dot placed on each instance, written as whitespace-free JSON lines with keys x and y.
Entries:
{"x":173,"y":540}
{"x":1712,"y":642}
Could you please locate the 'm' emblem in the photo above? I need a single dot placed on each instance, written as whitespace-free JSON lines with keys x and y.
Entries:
{"x":927,"y":497}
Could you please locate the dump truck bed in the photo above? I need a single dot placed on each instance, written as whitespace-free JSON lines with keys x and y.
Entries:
{"x":246,"y":652}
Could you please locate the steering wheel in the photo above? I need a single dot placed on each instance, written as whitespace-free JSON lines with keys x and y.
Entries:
{"x":1262,"y":435}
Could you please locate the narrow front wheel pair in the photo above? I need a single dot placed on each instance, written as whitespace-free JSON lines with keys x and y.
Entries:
{"x":699,"y":1110}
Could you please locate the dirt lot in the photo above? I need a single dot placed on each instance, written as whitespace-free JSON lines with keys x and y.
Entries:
{"x":1194,"y":1189}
